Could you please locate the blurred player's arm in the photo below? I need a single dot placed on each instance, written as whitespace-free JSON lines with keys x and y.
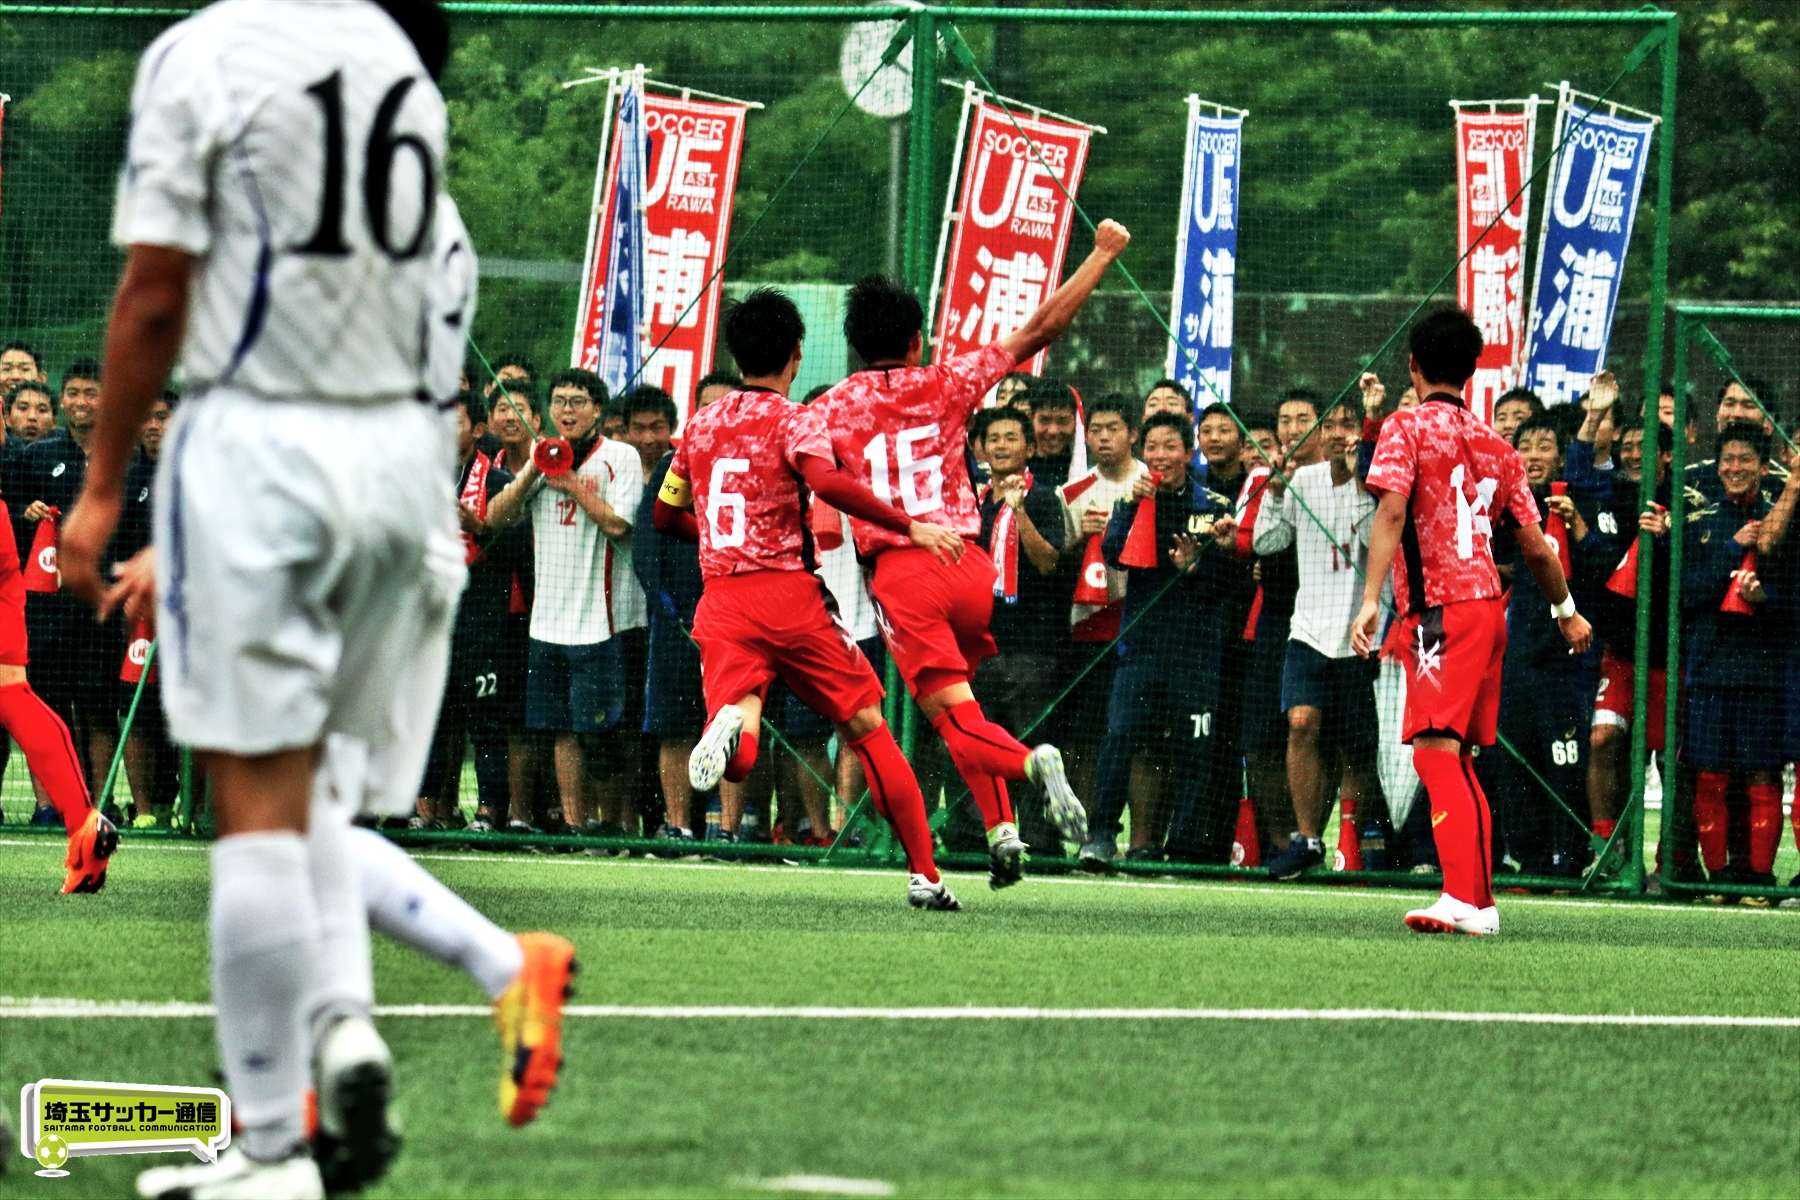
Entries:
{"x":143,"y":338}
{"x":1540,"y":559}
{"x":1775,"y":526}
{"x":674,"y":514}
{"x":844,"y":492}
{"x":510,"y":505}
{"x":1384,"y":540}
{"x":1054,"y":315}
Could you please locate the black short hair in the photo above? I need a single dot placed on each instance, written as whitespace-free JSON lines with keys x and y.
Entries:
{"x":881,"y":316}
{"x":1255,"y":418}
{"x":1445,"y":342}
{"x":586,"y":380}
{"x":814,"y":393}
{"x":1569,"y":418}
{"x":515,"y":360}
{"x":1127,"y":408}
{"x":15,"y":344}
{"x":1520,"y":393}
{"x":1750,"y":433}
{"x":475,"y":404}
{"x":1050,"y":395}
{"x":18,"y":388}
{"x":762,"y":331}
{"x":728,"y":379}
{"x":523,"y":388}
{"x":426,"y":28}
{"x":1218,"y":408}
{"x":170,"y":397}
{"x":1758,"y":387}
{"x":1174,"y":385}
{"x":1665,"y":436}
{"x":1301,"y":395}
{"x":646,"y":398}
{"x":1169,"y":420}
{"x":1545,"y":420}
{"x":82,"y":368}
{"x":987,"y":418}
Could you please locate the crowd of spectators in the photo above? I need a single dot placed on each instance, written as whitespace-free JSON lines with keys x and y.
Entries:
{"x":1180,"y":580}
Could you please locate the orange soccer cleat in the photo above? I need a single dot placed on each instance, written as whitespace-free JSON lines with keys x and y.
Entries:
{"x":90,"y":846}
{"x":528,"y":1017}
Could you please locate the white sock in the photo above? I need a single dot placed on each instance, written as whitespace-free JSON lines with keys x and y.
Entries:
{"x":408,"y":904}
{"x":265,"y":957}
{"x":346,"y":983}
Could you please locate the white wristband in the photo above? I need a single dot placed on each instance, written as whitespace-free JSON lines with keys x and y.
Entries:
{"x":1565,"y":610}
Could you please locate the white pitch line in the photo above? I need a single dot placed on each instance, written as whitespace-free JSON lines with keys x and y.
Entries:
{"x":44,"y":1007}
{"x":774,"y":866}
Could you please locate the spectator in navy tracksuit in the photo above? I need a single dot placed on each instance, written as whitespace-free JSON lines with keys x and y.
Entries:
{"x":1735,"y":664}
{"x":674,"y":710}
{"x":1547,"y":694}
{"x":1175,"y":621}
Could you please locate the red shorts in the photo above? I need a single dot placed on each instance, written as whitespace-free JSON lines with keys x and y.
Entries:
{"x":934,"y":615}
{"x":1613,"y":702}
{"x":754,"y":627}
{"x":1453,"y":655}
{"x":13,"y":642}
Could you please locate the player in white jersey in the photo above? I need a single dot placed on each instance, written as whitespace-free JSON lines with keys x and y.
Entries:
{"x":279,"y":205}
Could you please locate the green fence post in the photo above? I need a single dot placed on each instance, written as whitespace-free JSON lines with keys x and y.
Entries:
{"x":1673,"y":819}
{"x":1633,"y":874}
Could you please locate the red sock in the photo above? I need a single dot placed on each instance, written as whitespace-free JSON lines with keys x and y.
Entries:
{"x":49,"y":751}
{"x":744,"y":761}
{"x":1456,"y":825}
{"x":895,"y":791}
{"x":1484,"y":820}
{"x":1711,"y":818}
{"x":1765,"y":826}
{"x":978,"y":745}
{"x":1603,"y":828}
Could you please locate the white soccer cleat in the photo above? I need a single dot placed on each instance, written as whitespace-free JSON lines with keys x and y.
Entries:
{"x":1450,"y":915}
{"x":932,"y":897}
{"x":706,"y":765}
{"x":1045,"y":768}
{"x":354,"y":1081}
{"x":236,"y":1176}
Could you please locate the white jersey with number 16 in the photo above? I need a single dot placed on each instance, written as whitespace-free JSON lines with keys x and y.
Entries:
{"x":297,"y":150}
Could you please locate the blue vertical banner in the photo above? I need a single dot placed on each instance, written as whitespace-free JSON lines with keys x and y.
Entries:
{"x":1596,"y":176}
{"x":1206,"y":253}
{"x":621,"y":334}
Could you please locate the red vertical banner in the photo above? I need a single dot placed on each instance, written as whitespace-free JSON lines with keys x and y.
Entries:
{"x":1493,"y":161}
{"x":1012,"y":224}
{"x":692,"y":150}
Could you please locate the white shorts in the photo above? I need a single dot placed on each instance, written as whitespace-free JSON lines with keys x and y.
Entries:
{"x":308,"y":563}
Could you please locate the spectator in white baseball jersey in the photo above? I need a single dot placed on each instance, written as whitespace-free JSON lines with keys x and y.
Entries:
{"x":1327,"y":691}
{"x":580,"y":537}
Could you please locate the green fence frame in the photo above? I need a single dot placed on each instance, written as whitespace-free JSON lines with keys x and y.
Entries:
{"x":1691,"y":328}
{"x":923,"y":201}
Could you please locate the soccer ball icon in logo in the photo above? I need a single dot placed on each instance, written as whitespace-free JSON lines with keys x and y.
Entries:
{"x":52,"y":1152}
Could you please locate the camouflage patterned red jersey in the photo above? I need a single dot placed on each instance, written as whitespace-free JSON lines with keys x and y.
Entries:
{"x":1459,"y":476}
{"x":901,"y":432}
{"x":740,"y":460}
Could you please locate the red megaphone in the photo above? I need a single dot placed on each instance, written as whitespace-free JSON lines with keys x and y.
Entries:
{"x":553,"y":456}
{"x":39,"y":568}
{"x":1623,"y":580}
{"x":1140,"y":543}
{"x":1734,"y":601}
{"x":1557,"y":531}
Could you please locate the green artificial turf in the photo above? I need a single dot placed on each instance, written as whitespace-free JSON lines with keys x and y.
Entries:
{"x":705,"y":1106}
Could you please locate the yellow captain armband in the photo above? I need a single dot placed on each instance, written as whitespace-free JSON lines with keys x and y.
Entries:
{"x":676,"y":492}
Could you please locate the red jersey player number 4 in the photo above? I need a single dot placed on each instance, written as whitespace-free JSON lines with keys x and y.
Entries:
{"x":1447,"y":482}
